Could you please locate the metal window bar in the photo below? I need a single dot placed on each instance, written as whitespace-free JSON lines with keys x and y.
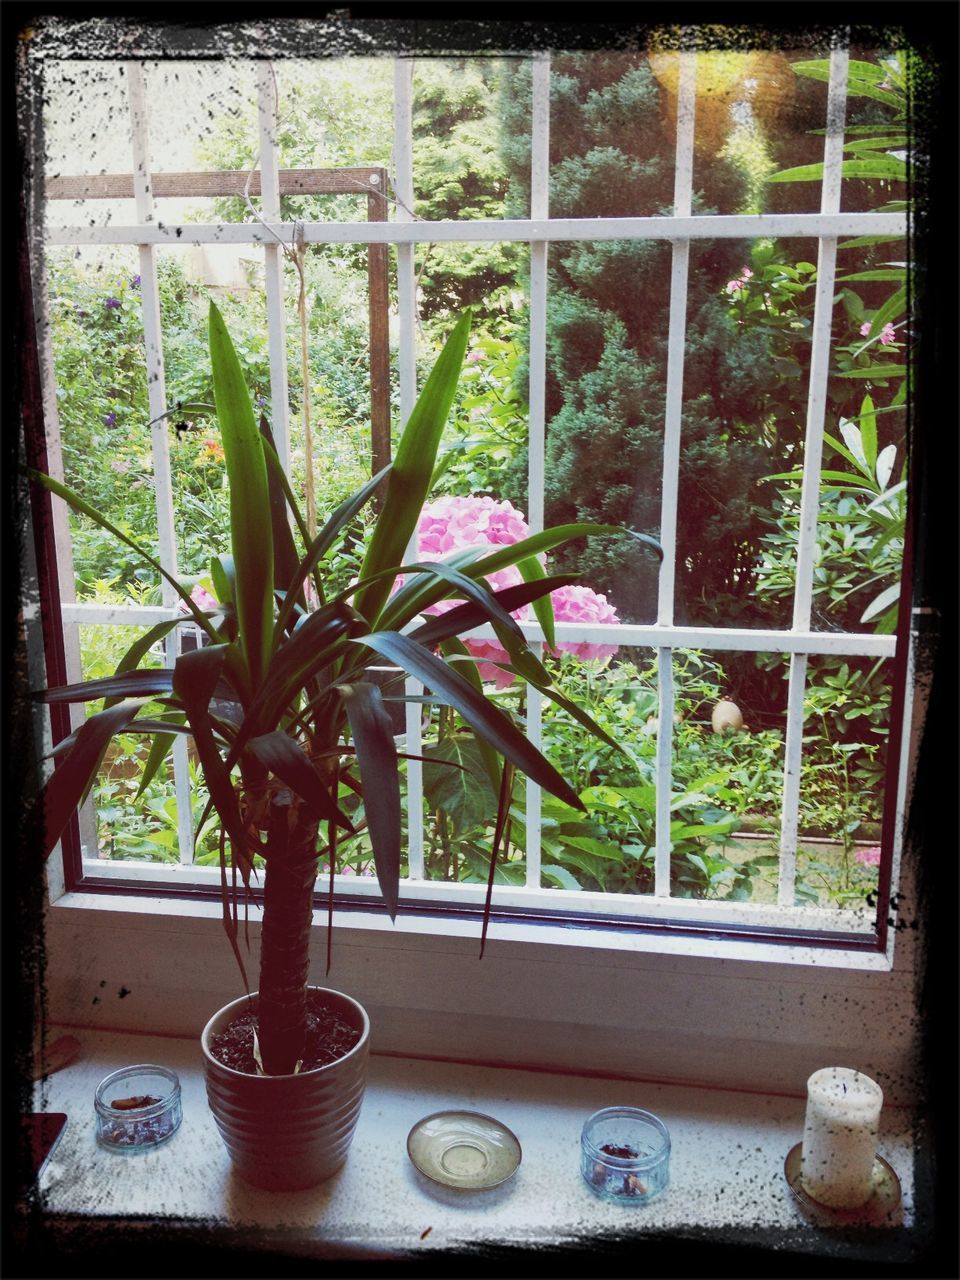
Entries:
{"x":717,"y":226}
{"x":157,"y":400}
{"x":405,"y":232}
{"x":407,"y":371}
{"x":273,"y":262}
{"x":682,"y":207}
{"x":536,"y":399}
{"x":810,"y":493}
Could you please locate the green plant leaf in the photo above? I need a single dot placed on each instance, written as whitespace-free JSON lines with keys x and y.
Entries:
{"x":135,"y":683}
{"x":467,"y":616}
{"x":77,"y":503}
{"x":878,"y":167}
{"x":286,"y":562}
{"x":313,"y":646}
{"x":412,"y":468}
{"x":898,"y":275}
{"x":251,"y":529}
{"x":325,"y":539}
{"x":454,"y":647}
{"x":377,"y":758}
{"x":142,"y":646}
{"x":412,"y":599}
{"x":883,"y":601}
{"x":868,"y":431}
{"x":465,"y":793}
{"x":159,"y":749}
{"x":69,"y":782}
{"x":195,"y":679}
{"x":278,"y":752}
{"x":224,"y":578}
{"x":876,"y":372}
{"x":531,"y":570}
{"x":599,"y":848}
{"x":560,"y":875}
{"x":479,"y":713}
{"x":892,"y":309}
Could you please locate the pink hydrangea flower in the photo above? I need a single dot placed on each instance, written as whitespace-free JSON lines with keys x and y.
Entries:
{"x":869,"y":857}
{"x":473,"y":357}
{"x":576,"y":603}
{"x":202,"y":599}
{"x":455,"y":523}
{"x":865,"y":328}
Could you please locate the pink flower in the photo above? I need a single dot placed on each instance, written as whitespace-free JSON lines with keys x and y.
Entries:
{"x":887,"y":333}
{"x":474,"y":356}
{"x":202,"y":599}
{"x":869,"y":857}
{"x":575,"y":603}
{"x":734,"y":285}
{"x":455,"y":523}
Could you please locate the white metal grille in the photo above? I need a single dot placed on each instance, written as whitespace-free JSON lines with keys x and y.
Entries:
{"x":664,"y":637}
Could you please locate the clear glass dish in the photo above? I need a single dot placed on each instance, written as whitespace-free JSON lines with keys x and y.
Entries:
{"x":137,"y":1108}
{"x":625,"y":1155}
{"x":464,"y":1149}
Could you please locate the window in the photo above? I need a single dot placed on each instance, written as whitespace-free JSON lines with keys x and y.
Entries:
{"x":759,"y":433}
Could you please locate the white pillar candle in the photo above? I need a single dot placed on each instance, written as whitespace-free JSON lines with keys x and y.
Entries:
{"x":840,"y":1136}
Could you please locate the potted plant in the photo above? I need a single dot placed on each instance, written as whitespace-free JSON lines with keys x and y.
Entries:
{"x":308,"y":724}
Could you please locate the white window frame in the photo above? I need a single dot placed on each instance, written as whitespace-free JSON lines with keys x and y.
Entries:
{"x":663,"y":636}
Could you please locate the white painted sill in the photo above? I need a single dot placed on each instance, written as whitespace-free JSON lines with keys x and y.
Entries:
{"x":410,"y":932}
{"x":728,"y":1151}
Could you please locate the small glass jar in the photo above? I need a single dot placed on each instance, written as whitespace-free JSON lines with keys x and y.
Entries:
{"x":137,"y":1108}
{"x":625,"y":1155}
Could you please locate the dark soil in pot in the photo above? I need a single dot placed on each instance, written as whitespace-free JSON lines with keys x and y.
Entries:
{"x":329,"y":1037}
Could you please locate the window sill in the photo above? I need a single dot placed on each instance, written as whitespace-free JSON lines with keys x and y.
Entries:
{"x":412,"y":931}
{"x":728,"y":1150}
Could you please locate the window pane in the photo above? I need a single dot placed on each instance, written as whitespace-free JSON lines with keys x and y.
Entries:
{"x":97,"y":343}
{"x":847,"y":721}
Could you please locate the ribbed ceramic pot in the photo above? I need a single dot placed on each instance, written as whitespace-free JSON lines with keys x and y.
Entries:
{"x":287,"y":1133}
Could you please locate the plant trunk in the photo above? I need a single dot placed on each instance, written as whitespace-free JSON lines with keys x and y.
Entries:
{"x":290,"y":875}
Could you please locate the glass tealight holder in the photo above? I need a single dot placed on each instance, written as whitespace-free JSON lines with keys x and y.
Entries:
{"x":625,"y":1155}
{"x":137,"y":1108}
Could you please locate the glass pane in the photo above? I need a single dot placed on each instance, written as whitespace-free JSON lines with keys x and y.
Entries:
{"x":97,"y":342}
{"x":130,"y":827}
{"x":727,"y":776}
{"x":847,"y":707}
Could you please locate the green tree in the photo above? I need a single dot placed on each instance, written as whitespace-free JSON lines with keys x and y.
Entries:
{"x":612,"y":154}
{"x":459,"y":173}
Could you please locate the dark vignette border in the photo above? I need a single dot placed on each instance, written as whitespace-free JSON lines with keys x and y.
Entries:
{"x":38,"y":1246}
